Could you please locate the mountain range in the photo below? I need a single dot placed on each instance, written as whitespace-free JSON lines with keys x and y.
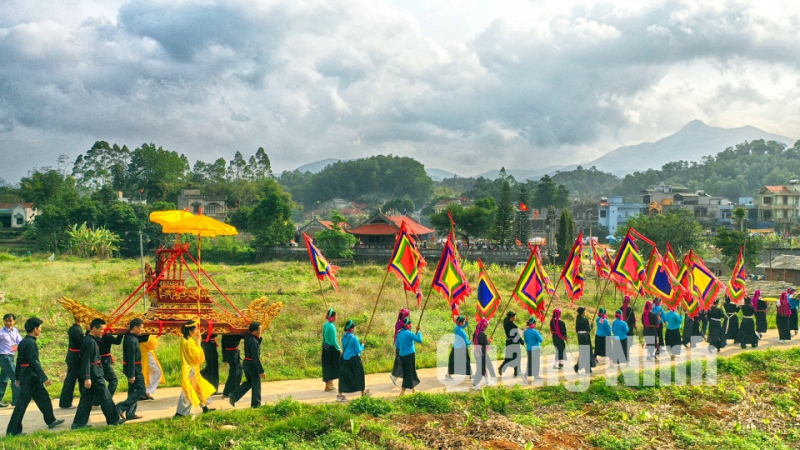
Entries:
{"x":691,"y":143}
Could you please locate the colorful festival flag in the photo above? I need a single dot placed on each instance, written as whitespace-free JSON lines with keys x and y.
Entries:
{"x":533,"y":285}
{"x":572,"y":274}
{"x":629,"y":266}
{"x":661,"y":281}
{"x":449,"y":280}
{"x":488,"y":296}
{"x":322,"y":268}
{"x":600,"y":264}
{"x":737,"y":288}
{"x":407,"y":263}
{"x":699,"y":284}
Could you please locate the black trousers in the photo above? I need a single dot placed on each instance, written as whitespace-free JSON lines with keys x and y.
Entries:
{"x":534,"y":361}
{"x":111,"y":378}
{"x":30,"y":390}
{"x":234,"y":375}
{"x":68,"y":389}
{"x":135,"y":391}
{"x":211,"y":371}
{"x":253,"y":381}
{"x":513,"y":358}
{"x":88,"y":396}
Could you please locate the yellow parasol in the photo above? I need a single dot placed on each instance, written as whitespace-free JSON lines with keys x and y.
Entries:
{"x":202,"y":226}
{"x":167,"y":217}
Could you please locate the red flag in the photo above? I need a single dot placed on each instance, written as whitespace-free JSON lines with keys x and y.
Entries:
{"x":523,"y":207}
{"x":407,"y":263}
{"x":572,"y":274}
{"x":322,"y":268}
{"x":449,"y":279}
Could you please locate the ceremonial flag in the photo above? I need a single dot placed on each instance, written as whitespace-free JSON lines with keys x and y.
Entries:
{"x":670,"y":261}
{"x":600,"y":264}
{"x":488,"y":297}
{"x":737,"y":289}
{"x":449,"y":280}
{"x":629,"y":266}
{"x":660,"y":281}
{"x":407,"y":263}
{"x":698,"y":282}
{"x":688,"y":295}
{"x":322,"y":268}
{"x":533,"y":285}
{"x":572,"y":274}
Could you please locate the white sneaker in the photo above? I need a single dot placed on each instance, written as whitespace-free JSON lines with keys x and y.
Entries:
{"x":394,"y":379}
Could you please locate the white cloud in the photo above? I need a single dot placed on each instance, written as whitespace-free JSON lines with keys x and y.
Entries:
{"x":459,"y":85}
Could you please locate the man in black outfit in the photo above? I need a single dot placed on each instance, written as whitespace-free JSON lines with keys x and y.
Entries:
{"x":75,"y":334}
{"x":132,"y":368}
{"x":94,"y":383}
{"x":211,"y":371}
{"x":253,"y":369}
{"x":31,"y":380}
{"x":231,"y":355}
{"x":107,"y":360}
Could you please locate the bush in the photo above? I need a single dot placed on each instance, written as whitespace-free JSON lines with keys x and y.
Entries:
{"x":425,"y":403}
{"x":375,"y":407}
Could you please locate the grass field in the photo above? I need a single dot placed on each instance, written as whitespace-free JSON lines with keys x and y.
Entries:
{"x":291,"y":347}
{"x":754,"y":405}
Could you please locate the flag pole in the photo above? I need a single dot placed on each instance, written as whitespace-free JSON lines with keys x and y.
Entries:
{"x":407,"y":304}
{"x":501,"y":315}
{"x":322,"y":292}
{"x":376,"y":306}
{"x":602,"y":294}
{"x":425,"y":305}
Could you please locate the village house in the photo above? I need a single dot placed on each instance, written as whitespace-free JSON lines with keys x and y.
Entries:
{"x":16,"y":215}
{"x":713,"y":211}
{"x":315,"y":226}
{"x":380,"y":230}
{"x":613,"y":213}
{"x":779,"y":203}
{"x":210,"y":205}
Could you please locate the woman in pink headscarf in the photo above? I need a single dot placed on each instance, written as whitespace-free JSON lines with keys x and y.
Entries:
{"x":483,"y":365}
{"x":782,"y":319}
{"x":650,"y":323}
{"x":761,"y":313}
{"x":397,"y":369}
{"x":558,"y":329}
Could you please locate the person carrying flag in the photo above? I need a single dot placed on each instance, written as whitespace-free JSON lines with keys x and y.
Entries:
{"x":533,"y":343}
{"x":673,"y":322}
{"x":731,"y":325}
{"x":483,"y":364}
{"x":630,"y":319}
{"x":458,"y":362}
{"x":716,"y":333}
{"x":619,"y":329}
{"x":397,"y":368}
{"x":331,"y":352}
{"x":558,"y":330}
{"x":650,"y":323}
{"x":747,"y":329}
{"x":602,"y":337}
{"x":514,"y":343}
{"x":408,"y":355}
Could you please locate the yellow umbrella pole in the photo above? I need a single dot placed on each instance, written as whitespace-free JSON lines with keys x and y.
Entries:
{"x":198,"y":278}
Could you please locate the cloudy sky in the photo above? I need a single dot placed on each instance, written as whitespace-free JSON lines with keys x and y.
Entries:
{"x":462,"y":85}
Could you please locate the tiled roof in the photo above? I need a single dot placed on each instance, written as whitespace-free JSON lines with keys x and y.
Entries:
{"x":383,"y":229}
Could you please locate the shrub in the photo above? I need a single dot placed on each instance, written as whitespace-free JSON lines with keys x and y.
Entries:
{"x":370,"y":405}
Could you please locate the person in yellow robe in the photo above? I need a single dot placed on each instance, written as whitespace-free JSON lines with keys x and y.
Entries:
{"x":196,"y":390}
{"x":151,"y":367}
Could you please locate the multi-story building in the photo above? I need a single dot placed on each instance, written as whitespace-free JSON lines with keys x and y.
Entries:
{"x":779,"y":203}
{"x":712,"y":211}
{"x":614,"y":213}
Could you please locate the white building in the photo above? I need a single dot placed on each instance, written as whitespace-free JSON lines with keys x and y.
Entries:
{"x":614,"y":213}
{"x":16,"y":215}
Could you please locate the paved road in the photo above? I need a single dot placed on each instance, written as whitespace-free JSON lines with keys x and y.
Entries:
{"x":311,"y":390}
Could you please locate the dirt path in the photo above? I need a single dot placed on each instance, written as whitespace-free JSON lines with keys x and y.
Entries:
{"x":310,"y":390}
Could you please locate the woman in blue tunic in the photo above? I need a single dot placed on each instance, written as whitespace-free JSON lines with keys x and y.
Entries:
{"x":408,"y":355}
{"x":330,"y":351}
{"x":351,"y":369}
{"x":619,"y":329}
{"x":602,"y":336}
{"x":533,"y":343}
{"x":459,"y":361}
